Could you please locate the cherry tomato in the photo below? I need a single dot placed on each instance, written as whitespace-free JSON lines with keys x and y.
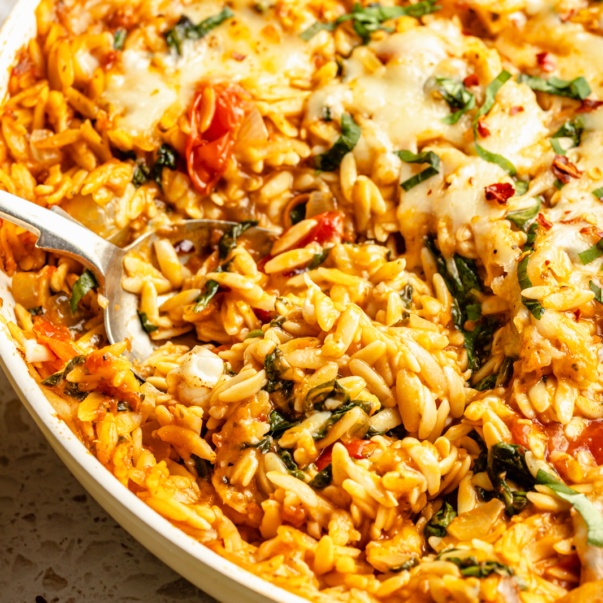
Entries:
{"x":56,"y":337}
{"x":358,"y":449}
{"x":208,"y":152}
{"x":328,"y":230}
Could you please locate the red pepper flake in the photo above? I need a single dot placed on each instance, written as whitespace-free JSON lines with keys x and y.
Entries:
{"x":471,"y":80}
{"x":543,"y":222}
{"x":500,"y":192}
{"x":589,"y":104}
{"x":577,"y":313}
{"x":564,"y":169}
{"x":517,"y":109}
{"x":237,"y":56}
{"x":545,"y":61}
{"x":483,"y":129}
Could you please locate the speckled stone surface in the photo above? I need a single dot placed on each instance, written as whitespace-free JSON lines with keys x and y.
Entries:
{"x":56,"y":544}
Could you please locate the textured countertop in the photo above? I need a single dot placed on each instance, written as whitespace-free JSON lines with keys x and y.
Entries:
{"x":57,"y":545}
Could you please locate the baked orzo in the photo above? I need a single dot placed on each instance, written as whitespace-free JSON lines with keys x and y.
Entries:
{"x":403,"y":400}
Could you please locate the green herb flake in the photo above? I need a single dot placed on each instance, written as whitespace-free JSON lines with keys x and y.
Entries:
{"x":534,"y":306}
{"x":369,"y":19}
{"x":275,"y":366}
{"x":255,"y":333}
{"x":167,"y":157}
{"x":592,"y":253}
{"x":204,"y":468}
{"x":499,"y":160}
{"x":573,"y":129}
{"x":228,"y":241}
{"x":185,"y":29}
{"x":350,"y":135}
{"x":589,"y":512}
{"x":522,"y":217}
{"x":209,"y":291}
{"x":56,"y":378}
{"x":141,"y":174}
{"x":521,"y":187}
{"x":37,"y":311}
{"x":319,"y":259}
{"x":147,"y":325}
{"x":598,"y":193}
{"x":119,"y":39}
{"x":291,"y":465}
{"x":407,"y":565}
{"x":426,"y":157}
{"x":470,"y":566}
{"x":597,"y":291}
{"x":322,"y":479}
{"x":457,"y":96}
{"x":438,"y":524}
{"x":84,"y":284}
{"x":577,"y":89}
{"x":297,"y":213}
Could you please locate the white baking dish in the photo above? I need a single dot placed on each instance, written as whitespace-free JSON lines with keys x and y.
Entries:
{"x":204,"y":568}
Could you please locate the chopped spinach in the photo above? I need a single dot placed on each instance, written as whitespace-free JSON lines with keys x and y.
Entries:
{"x":319,"y":258}
{"x":350,"y":135}
{"x":204,"y":468}
{"x":141,"y":174}
{"x":500,"y":379}
{"x":330,"y":390}
{"x":208,"y":292}
{"x":57,"y":378}
{"x":119,"y":38}
{"x":407,"y":565}
{"x":322,"y":479}
{"x":570,"y":129}
{"x":291,"y":465}
{"x":147,"y":325}
{"x":297,"y":213}
{"x":185,"y":29}
{"x":275,"y":365}
{"x":470,"y":566}
{"x":37,"y":311}
{"x":228,"y":241}
{"x":440,"y":521}
{"x":534,"y":306}
{"x":85,"y":283}
{"x":123,"y":406}
{"x":406,"y":295}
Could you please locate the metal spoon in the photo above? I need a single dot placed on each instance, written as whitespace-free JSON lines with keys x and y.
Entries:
{"x":60,"y":233}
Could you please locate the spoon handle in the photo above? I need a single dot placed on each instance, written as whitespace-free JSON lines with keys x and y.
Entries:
{"x":59,"y":234}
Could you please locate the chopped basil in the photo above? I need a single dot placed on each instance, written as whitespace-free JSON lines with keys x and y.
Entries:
{"x":141,"y":174}
{"x":167,"y":157}
{"x":56,"y":378}
{"x":119,"y":39}
{"x":592,"y":253}
{"x":491,"y":91}
{"x":598,"y":193}
{"x":522,"y":217}
{"x":350,"y":135}
{"x":407,"y":565}
{"x":570,"y":129}
{"x":228,"y":241}
{"x":500,"y":379}
{"x":577,"y":89}
{"x":185,"y":29}
{"x":80,"y":288}
{"x":457,"y":96}
{"x":438,"y":523}
{"x":589,"y":512}
{"x":322,"y":479}
{"x":319,"y":258}
{"x":298,"y":213}
{"x":148,"y":326}
{"x":209,"y":290}
{"x":406,"y":295}
{"x":426,"y":157}
{"x":521,"y":187}
{"x":532,"y":305}
{"x":368,"y":19}
{"x":597,"y":291}
{"x":331,"y":390}
{"x":255,"y":333}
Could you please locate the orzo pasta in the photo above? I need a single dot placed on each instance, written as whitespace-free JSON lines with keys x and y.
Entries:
{"x":403,"y":400}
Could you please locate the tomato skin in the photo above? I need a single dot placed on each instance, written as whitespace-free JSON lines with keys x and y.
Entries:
{"x":328,"y":230}
{"x":208,"y":152}
{"x":56,"y":337}
{"x":358,"y":449}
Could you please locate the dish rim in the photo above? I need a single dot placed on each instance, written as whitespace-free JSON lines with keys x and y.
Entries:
{"x":224,"y":580}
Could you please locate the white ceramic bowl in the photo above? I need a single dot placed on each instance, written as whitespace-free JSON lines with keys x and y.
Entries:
{"x":204,"y":568}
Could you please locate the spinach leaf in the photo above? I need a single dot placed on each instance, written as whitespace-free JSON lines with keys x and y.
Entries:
{"x":470,"y":566}
{"x":457,"y":96}
{"x":590,"y":513}
{"x":407,"y":565}
{"x":337,"y":414}
{"x":298,"y":213}
{"x":85,"y":283}
{"x":598,"y":193}
{"x":291,"y":465}
{"x":426,"y":157}
{"x":406,"y":296}
{"x":534,"y":306}
{"x":204,"y":468}
{"x":148,"y":326}
{"x":577,"y":88}
{"x":368,"y":19}
{"x":279,"y":424}
{"x":56,"y":378}
{"x":331,"y":390}
{"x":256,"y":333}
{"x":167,"y":157}
{"x":141,"y":174}
{"x":275,"y":364}
{"x":350,"y":135}
{"x":322,"y":479}
{"x":319,"y":258}
{"x":185,"y":29}
{"x":437,"y":525}
{"x":209,"y":291}
{"x":228,"y":241}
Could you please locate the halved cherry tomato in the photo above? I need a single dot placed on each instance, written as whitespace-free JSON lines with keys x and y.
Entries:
{"x":56,"y":337}
{"x":208,"y":152}
{"x":358,"y":449}
{"x":328,"y":230}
